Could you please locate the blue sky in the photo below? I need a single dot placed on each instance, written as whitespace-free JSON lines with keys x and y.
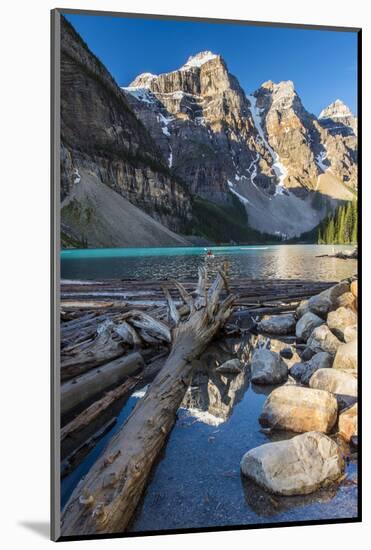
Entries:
{"x":322,"y":64}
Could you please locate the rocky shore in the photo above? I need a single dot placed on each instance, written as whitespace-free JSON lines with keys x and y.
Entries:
{"x":297,"y":337}
{"x":317,"y":395}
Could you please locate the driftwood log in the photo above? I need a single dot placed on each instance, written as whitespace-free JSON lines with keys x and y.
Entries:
{"x":107,"y":341}
{"x":84,"y":425}
{"x":92,"y":353}
{"x":106,"y":499}
{"x":82,"y":389}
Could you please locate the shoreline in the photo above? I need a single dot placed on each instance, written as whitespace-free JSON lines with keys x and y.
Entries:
{"x":87,"y":307}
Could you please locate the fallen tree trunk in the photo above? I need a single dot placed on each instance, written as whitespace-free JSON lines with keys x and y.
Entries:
{"x":78,"y":455}
{"x":85,"y":387}
{"x":83,"y":426}
{"x":91,"y":354}
{"x":105,"y":500}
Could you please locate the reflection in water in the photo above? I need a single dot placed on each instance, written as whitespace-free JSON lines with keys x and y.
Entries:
{"x":212,"y":396}
{"x":283,"y":261}
{"x":197,"y":482}
{"x":267,"y":505}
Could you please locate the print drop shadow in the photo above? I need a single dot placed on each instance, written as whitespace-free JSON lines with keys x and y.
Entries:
{"x":41,"y":528}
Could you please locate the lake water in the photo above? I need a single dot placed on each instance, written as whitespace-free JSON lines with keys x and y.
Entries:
{"x":259,"y":262}
{"x":197,"y":482}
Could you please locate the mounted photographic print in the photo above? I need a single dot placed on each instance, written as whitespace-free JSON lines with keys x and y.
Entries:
{"x":205,"y":205}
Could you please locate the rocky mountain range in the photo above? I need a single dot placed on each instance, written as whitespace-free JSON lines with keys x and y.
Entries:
{"x":194,"y":155}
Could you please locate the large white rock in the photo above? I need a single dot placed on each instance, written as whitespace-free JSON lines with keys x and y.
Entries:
{"x":334,"y":381}
{"x":348,"y":422}
{"x":322,"y":339}
{"x":347,"y":300}
{"x":322,"y":303}
{"x":354,"y":288}
{"x":297,"y":466}
{"x":350,"y":333}
{"x":340,"y":319}
{"x":346,"y":357}
{"x":306,"y":324}
{"x":268,"y":367}
{"x":299,"y":409}
{"x":278,"y":325}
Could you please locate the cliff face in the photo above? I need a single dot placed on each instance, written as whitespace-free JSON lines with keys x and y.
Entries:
{"x":340,"y":138}
{"x":186,"y":145}
{"x":100,"y":135}
{"x":308,"y":147}
{"x":203,"y":125}
{"x":338,"y":119}
{"x":265,"y":148}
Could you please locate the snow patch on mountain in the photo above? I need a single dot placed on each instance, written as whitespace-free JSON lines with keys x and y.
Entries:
{"x":77,"y":177}
{"x":141,"y":93}
{"x":336,"y":110}
{"x":278,"y":167}
{"x":253,"y":169}
{"x":320,"y":158}
{"x":243,"y":199}
{"x":198,"y":60}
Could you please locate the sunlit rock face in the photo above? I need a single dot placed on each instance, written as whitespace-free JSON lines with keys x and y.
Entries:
{"x":337,"y":118}
{"x":341,"y":141}
{"x":265,"y":148}
{"x":307,"y":146}
{"x":202,"y":111}
{"x":193,"y":133}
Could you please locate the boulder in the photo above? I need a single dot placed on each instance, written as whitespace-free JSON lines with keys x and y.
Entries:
{"x":286,"y":353}
{"x":354,"y":288}
{"x":350,"y":333}
{"x":302,"y":372}
{"x":307,"y":354}
{"x":346,"y":357}
{"x":302,"y":308}
{"x":284,"y":350}
{"x":347,"y":300}
{"x":233,"y":366}
{"x":278,"y":324}
{"x":337,"y":290}
{"x":322,"y":339}
{"x":297,"y":466}
{"x":348,"y":423}
{"x":322,"y":303}
{"x":344,"y":401}
{"x":291,"y":381}
{"x":340,"y":319}
{"x":298,"y":370}
{"x":268,"y":367}
{"x":334,"y":381}
{"x":306,"y":324}
{"x":299,"y":409}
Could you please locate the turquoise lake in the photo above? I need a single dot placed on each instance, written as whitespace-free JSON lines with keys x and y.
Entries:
{"x":196,"y":481}
{"x":259,"y":262}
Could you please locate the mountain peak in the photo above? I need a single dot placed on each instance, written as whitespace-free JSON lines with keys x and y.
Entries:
{"x":143,"y":80}
{"x":284,"y":85}
{"x":199,"y":59}
{"x":337,"y":109}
